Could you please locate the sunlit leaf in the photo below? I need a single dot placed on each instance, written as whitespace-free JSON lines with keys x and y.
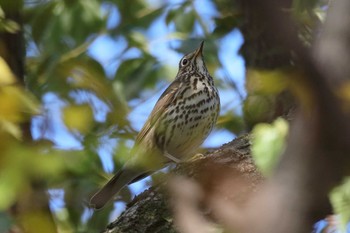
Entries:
{"x":20,"y":165}
{"x":2,"y":13}
{"x":138,"y":40}
{"x":11,"y":128}
{"x":340,"y":198}
{"x":78,"y":118}
{"x":7,"y":76}
{"x":266,"y":81}
{"x":16,"y":105}
{"x":268,"y":143}
{"x":8,"y":25}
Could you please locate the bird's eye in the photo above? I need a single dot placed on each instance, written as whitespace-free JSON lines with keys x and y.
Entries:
{"x":184,"y":62}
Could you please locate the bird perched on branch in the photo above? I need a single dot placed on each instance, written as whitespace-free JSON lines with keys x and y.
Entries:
{"x":181,"y":120}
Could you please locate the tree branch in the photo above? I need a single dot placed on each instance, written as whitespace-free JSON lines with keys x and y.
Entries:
{"x":152,"y":210}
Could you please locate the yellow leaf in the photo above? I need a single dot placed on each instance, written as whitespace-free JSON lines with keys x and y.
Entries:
{"x":10,"y":183}
{"x":266,"y":81}
{"x":11,"y":128}
{"x":38,"y":221}
{"x":10,"y":104}
{"x":78,"y":117}
{"x":14,"y":102}
{"x":6,"y":76}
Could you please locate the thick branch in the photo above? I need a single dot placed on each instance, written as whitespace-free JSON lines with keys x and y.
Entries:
{"x":152,"y":212}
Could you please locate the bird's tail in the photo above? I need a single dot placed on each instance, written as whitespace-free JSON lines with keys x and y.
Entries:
{"x":122,"y":178}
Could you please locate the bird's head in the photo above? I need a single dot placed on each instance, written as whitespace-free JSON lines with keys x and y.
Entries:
{"x":193,"y":62}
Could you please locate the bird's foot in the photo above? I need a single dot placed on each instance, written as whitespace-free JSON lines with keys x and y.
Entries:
{"x":195,"y":157}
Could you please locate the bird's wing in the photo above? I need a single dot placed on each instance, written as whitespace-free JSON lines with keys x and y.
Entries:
{"x":129,"y":174}
{"x":167,"y":97}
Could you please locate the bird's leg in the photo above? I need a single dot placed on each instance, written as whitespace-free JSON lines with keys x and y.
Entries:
{"x":172,"y":158}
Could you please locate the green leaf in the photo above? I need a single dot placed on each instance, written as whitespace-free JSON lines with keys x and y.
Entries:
{"x":300,"y":6}
{"x":138,"y":15}
{"x":138,"y":40}
{"x":185,"y":22}
{"x":225,"y":24}
{"x":11,"y":26}
{"x":65,"y":24}
{"x":268,"y":143}
{"x":2,"y":13}
{"x":135,"y":74}
{"x":171,"y":15}
{"x":340,"y":198}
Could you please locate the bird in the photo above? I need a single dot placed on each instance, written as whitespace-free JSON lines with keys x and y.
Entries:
{"x":180,"y":121}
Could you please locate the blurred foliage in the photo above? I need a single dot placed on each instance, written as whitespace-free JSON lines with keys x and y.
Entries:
{"x":266,"y":81}
{"x":268,"y":143}
{"x":269,"y":95}
{"x":95,"y":102}
{"x":340,"y":197}
{"x":7,"y":25}
{"x":73,"y":120}
{"x":16,"y":105}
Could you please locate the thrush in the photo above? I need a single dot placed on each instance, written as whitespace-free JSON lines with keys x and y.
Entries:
{"x":181,"y":120}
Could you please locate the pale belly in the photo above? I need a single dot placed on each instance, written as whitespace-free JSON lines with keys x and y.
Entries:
{"x":186,"y":138}
{"x":189,"y":122}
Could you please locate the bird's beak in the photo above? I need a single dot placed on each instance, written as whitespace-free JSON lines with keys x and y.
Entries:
{"x":199,"y":50}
